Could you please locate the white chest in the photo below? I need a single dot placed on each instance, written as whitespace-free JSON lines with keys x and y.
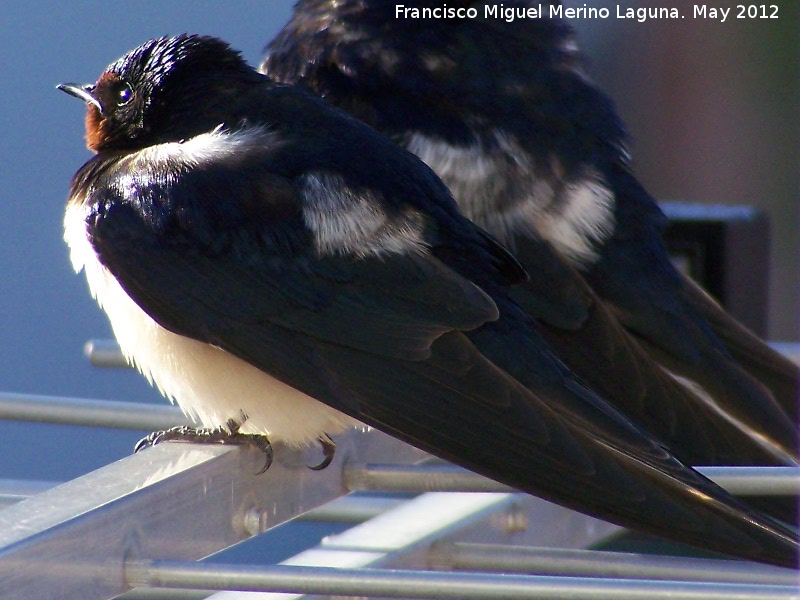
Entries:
{"x":209,"y":384}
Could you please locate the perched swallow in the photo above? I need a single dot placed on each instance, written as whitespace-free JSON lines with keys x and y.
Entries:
{"x":535,"y":153}
{"x":266,"y":259}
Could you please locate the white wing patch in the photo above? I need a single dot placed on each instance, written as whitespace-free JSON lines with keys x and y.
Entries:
{"x":469,"y":172}
{"x":347,"y":222}
{"x":500,"y":190}
{"x":583,"y":217}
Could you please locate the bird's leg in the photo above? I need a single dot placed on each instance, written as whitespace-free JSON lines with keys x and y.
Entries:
{"x":224,"y":434}
{"x":328,"y":452}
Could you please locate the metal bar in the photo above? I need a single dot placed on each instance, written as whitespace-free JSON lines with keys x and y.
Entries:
{"x":105,"y":354}
{"x":593,"y":563}
{"x":418,"y":479}
{"x":743,"y":481}
{"x":421,"y":519}
{"x":72,"y":540}
{"x":352,"y":509}
{"x":383,"y":583}
{"x":402,"y":537}
{"x":14,"y":490}
{"x":347,"y":509}
{"x":165,"y":594}
{"x":756,"y":481}
{"x":177,"y":501}
{"x":90,"y":413}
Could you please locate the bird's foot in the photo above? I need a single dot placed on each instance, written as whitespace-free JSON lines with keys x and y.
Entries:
{"x":328,"y":452}
{"x":225,"y":434}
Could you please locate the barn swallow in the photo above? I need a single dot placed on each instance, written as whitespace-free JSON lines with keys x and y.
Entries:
{"x":268,"y":260}
{"x":534,"y":153}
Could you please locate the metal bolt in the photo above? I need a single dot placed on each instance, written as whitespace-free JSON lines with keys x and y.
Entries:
{"x":255,"y":520}
{"x":516,"y":520}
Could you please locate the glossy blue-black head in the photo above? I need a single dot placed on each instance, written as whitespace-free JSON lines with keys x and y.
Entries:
{"x":167,"y":89}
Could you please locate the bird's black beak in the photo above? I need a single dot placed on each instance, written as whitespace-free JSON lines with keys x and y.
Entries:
{"x":83,"y":92}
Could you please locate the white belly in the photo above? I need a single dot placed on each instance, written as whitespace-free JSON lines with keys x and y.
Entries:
{"x":209,"y":384}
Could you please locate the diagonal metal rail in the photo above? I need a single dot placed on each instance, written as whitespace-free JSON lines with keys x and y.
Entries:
{"x":175,"y":501}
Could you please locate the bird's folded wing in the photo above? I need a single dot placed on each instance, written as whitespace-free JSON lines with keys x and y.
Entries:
{"x":774,"y":370}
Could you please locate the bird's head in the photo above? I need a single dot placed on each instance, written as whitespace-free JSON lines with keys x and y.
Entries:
{"x":167,"y":89}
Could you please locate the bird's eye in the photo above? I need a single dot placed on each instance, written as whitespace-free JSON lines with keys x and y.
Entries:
{"x":124,"y":94}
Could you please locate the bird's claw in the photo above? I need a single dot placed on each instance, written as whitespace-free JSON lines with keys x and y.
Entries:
{"x":328,"y":452}
{"x":226,"y":434}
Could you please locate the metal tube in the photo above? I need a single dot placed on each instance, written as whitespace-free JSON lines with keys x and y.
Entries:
{"x":755,"y":481}
{"x":384,"y":583}
{"x":105,"y":354}
{"x":91,"y":413}
{"x":742,"y":481}
{"x":165,"y":594}
{"x":418,"y":479}
{"x":593,"y":563}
